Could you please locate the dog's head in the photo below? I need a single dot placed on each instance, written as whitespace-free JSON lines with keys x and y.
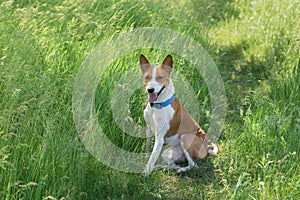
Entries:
{"x":156,"y":78}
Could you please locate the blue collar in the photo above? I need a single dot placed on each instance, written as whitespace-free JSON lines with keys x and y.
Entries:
{"x":163,"y":104}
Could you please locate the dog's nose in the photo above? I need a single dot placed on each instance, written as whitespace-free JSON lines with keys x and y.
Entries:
{"x":150,"y":90}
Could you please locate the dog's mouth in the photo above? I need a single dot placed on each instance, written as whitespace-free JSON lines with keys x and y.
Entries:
{"x":153,"y":96}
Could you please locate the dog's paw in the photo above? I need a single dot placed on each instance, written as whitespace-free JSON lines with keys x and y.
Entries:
{"x":172,"y":166}
{"x":181,"y":170}
{"x":147,"y":171}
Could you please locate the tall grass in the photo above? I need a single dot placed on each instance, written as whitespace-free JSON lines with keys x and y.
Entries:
{"x":43,"y":44}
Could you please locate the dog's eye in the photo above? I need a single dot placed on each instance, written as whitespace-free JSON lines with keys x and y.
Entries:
{"x":147,"y":77}
{"x":160,"y":77}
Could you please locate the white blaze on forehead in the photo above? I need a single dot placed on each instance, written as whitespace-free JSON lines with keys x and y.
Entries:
{"x":153,"y":82}
{"x":154,"y":70}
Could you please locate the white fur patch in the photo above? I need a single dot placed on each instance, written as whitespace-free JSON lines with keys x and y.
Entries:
{"x":153,"y":83}
{"x":173,"y":140}
{"x":191,"y":163}
{"x":159,"y":121}
{"x":173,"y":154}
{"x":213,"y":151}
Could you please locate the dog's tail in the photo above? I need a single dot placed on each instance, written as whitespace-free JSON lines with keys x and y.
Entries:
{"x":214,"y":149}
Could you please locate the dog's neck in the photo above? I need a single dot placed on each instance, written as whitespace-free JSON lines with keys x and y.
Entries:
{"x":167,"y":93}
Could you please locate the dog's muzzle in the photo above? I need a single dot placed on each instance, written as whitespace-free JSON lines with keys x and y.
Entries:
{"x":153,"y":96}
{"x":150,"y":90}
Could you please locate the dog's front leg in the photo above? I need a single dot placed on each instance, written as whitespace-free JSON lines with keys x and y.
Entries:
{"x":159,"y":141}
{"x":149,"y":135}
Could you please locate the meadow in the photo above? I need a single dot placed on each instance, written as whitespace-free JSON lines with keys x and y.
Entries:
{"x":255,"y":45}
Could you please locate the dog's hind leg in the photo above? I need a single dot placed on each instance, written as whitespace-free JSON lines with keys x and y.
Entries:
{"x":185,"y":142}
{"x":172,"y":155}
{"x":191,"y":163}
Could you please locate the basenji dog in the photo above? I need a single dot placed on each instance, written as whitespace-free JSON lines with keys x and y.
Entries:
{"x":169,"y":122}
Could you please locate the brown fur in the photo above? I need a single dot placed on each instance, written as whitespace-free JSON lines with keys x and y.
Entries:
{"x":191,"y":134}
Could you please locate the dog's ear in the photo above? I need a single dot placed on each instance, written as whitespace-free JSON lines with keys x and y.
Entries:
{"x":168,"y":63}
{"x":144,"y":63}
{"x":143,"y":60}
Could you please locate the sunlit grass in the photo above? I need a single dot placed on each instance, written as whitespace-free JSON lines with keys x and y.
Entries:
{"x":42,"y":47}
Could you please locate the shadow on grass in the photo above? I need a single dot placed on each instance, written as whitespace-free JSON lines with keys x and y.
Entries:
{"x":202,"y":175}
{"x":211,"y":12}
{"x":241,"y":75}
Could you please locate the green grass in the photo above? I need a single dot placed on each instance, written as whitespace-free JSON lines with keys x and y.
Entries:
{"x":256,"y":46}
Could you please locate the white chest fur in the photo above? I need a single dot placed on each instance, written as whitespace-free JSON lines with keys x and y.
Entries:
{"x":158,"y":120}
